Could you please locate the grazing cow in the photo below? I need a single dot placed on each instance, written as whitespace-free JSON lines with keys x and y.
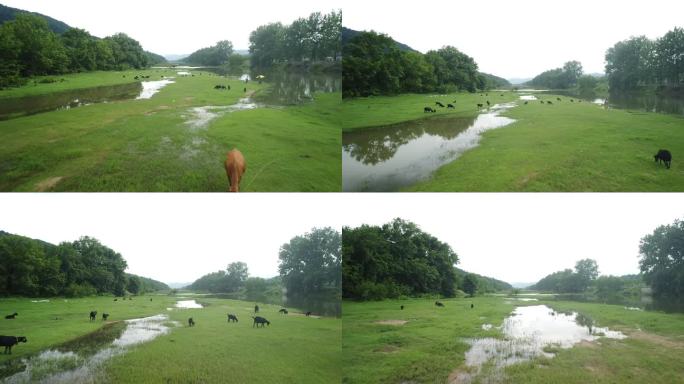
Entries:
{"x":526,"y":103}
{"x":402,"y":307}
{"x":488,"y":103}
{"x":440,"y":104}
{"x":150,"y":299}
{"x":439,"y":304}
{"x":541,"y":101}
{"x":480,"y":105}
{"x":256,"y":309}
{"x":232,"y":317}
{"x":191,"y":322}
{"x":454,"y":101}
{"x":136,"y":78}
{"x":472,"y":305}
{"x":502,"y":94}
{"x":9,"y":341}
{"x":93,"y":314}
{"x":428,"y":109}
{"x":12,"y":316}
{"x":572,"y":100}
{"x":558,"y":98}
{"x":116,"y":299}
{"x":283,"y":311}
{"x":308,"y":313}
{"x":549,"y":102}
{"x":245,"y":90}
{"x":217,"y":87}
{"x":229,"y":87}
{"x":663,"y":155}
{"x":451,"y":106}
{"x":260,"y":320}
{"x":235,"y":168}
{"x":105,"y":316}
{"x":579,"y":101}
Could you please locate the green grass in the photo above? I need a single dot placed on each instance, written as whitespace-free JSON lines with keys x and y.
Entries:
{"x":561,"y":147}
{"x":430,"y":345}
{"x":293,"y":349}
{"x":146,"y":145}
{"x":364,"y":112}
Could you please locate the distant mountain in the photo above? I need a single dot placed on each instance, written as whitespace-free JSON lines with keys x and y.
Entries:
{"x":486,"y":284}
{"x":519,"y":81}
{"x":495,"y":81}
{"x":176,"y":57}
{"x":178,"y":285}
{"x":8,"y":13}
{"x":348,"y":34}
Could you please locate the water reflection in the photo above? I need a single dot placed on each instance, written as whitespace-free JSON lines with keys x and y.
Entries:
{"x":79,"y":361}
{"x":296,"y":88}
{"x":30,"y":105}
{"x":391,"y":157}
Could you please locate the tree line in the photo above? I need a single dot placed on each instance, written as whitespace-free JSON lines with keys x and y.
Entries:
{"x":219,"y":55}
{"x":309,"y":275}
{"x":29,"y":48}
{"x":315,"y":38}
{"x":373,"y":64}
{"x":30,"y":267}
{"x":398,"y":259}
{"x":640,"y":61}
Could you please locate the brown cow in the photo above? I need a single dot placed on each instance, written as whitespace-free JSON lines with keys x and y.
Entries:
{"x":235,"y":167}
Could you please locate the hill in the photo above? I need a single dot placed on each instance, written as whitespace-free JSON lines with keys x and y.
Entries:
{"x":348,"y":34}
{"x":9,"y":13}
{"x":485,"y":284}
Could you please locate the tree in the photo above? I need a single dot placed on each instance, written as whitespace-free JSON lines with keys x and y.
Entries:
{"x":670,"y":57}
{"x":629,"y":63}
{"x":105,"y":266}
{"x":133,"y":285}
{"x":661,"y":260}
{"x":371,"y":66}
{"x":587,"y":271}
{"x":470,"y":284}
{"x":586,"y":85}
{"x":309,"y":266}
{"x":256,"y":289}
{"x":609,"y":289}
{"x":235,"y":277}
{"x":266,"y":44}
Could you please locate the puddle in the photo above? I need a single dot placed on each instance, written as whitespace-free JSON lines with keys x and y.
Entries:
{"x":391,"y":322}
{"x":487,"y":327}
{"x":183,"y":73}
{"x":599,"y":101}
{"x":399,"y":155}
{"x":79,"y":361}
{"x":530,"y":332}
{"x":633,"y":309}
{"x":188,"y":304}
{"x":31,"y":105}
{"x":152,"y":87}
{"x":202,"y":116}
{"x":522,"y":298}
{"x":246,"y":77}
{"x":528,"y":97}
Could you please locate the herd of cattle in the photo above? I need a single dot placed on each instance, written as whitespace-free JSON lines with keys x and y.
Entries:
{"x":9,"y":341}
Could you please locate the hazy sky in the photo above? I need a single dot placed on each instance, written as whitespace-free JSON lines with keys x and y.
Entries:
{"x":518,"y":38}
{"x":524,"y":237}
{"x":173,"y":237}
{"x":175,"y":27}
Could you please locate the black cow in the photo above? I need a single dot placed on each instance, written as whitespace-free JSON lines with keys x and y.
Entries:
{"x":116,"y":299}
{"x":283,"y":311}
{"x":232,"y":318}
{"x":558,"y":98}
{"x":191,"y":322}
{"x":260,"y":320}
{"x":450,"y":106}
{"x":428,"y":109}
{"x":93,"y":315}
{"x":541,"y":101}
{"x":217,"y":87}
{"x":308,"y":313}
{"x":105,"y":316}
{"x":480,"y":105}
{"x":526,"y":103}
{"x":12,"y":316}
{"x":245,"y":90}
{"x":439,"y":304}
{"x":663,"y":155}
{"x":256,"y":309}
{"x":9,"y":341}
{"x":488,"y":103}
{"x":572,"y":100}
{"x":229,"y":87}
{"x":402,"y":307}
{"x":472,"y":305}
{"x":549,"y":102}
{"x":440,"y":104}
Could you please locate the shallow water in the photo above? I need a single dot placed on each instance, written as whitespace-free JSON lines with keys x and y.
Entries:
{"x":391,"y":157}
{"x":152,"y":87}
{"x":80,"y":361}
{"x":200,"y":117}
{"x":528,"y":334}
{"x":188,"y":304}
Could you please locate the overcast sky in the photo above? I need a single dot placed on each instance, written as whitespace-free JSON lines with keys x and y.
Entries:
{"x":518,"y":38}
{"x":175,"y":27}
{"x":524,"y":237}
{"x":174,"y":237}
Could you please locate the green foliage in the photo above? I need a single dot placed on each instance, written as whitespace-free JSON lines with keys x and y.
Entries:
{"x":483,"y":284}
{"x":311,"y":39}
{"x":32,"y":268}
{"x":609,"y":289}
{"x":639,"y":61}
{"x":215,"y":55}
{"x":470,"y":285}
{"x":309,"y":267}
{"x":586,"y":84}
{"x":223,"y":281}
{"x":559,"y":78}
{"x":661,"y":260}
{"x":374,"y":64}
{"x":395,"y":259}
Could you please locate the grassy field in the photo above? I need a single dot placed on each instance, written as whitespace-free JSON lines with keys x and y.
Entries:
{"x":148,"y":145}
{"x":561,"y":147}
{"x":430,"y":346}
{"x":293,"y":349}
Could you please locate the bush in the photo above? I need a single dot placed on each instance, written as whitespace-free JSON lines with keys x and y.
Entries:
{"x":80,"y":290}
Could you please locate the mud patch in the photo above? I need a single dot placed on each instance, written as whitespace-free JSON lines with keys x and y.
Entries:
{"x":48,"y":184}
{"x":391,"y":322}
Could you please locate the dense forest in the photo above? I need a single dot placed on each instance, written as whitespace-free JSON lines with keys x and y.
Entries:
{"x":29,"y":47}
{"x":311,"y":39}
{"x":374,"y":64}
{"x":310,"y":276}
{"x":219,"y":55}
{"x":559,"y":78}
{"x":30,"y":267}
{"x":640,"y":61}
{"x":398,"y":259}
